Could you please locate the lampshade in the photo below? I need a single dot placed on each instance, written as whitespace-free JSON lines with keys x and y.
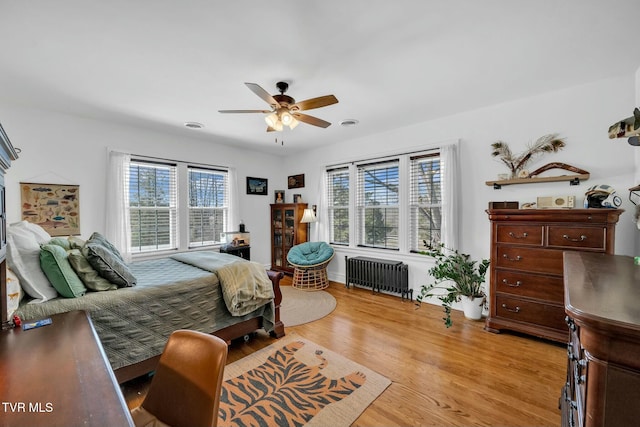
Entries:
{"x":286,"y":117}
{"x":272,"y":120}
{"x":308,"y":216}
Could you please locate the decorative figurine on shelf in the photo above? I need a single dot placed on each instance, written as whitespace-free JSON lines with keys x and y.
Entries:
{"x":516,"y":163}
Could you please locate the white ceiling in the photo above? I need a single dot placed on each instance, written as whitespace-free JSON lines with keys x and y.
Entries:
{"x":160,"y":63}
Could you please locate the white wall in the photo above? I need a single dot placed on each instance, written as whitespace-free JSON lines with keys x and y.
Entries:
{"x":62,"y":149}
{"x":581,"y":115}
{"x":72,"y":150}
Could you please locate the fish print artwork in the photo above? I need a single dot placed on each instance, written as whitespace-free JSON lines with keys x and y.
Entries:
{"x":54,"y":207}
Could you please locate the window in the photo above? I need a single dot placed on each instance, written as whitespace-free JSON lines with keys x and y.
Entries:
{"x":154,"y":197}
{"x":378,"y":205}
{"x":338,"y":205}
{"x":152,"y":203}
{"x":426,"y":201}
{"x":208,"y":206}
{"x":399,"y":202}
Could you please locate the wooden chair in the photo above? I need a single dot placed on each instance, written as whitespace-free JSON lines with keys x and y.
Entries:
{"x":310,"y":261}
{"x":185,"y":390}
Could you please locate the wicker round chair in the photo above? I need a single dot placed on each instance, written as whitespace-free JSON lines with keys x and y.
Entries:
{"x":310,"y":261}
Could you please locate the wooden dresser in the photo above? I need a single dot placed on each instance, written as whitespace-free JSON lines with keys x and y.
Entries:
{"x":526,"y":279}
{"x":602,"y":302}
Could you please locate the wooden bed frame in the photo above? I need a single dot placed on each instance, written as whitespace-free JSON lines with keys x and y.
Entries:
{"x":229,"y":333}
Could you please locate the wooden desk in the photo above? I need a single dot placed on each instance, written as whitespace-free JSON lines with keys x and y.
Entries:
{"x":58,"y":375}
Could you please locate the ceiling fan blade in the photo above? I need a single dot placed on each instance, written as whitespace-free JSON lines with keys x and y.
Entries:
{"x":262,"y":94}
{"x":244,"y":111}
{"x":310,"y":120}
{"x":310,"y":104}
{"x":270,"y":129}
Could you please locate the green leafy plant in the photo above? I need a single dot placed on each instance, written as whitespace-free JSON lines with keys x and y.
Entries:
{"x":516,"y":162}
{"x":457,"y":275}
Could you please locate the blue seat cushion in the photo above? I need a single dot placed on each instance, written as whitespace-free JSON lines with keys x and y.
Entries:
{"x":309,"y":253}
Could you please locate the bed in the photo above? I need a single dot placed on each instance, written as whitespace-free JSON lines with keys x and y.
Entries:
{"x":193,"y":290}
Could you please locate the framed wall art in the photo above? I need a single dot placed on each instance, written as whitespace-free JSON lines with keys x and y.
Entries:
{"x":296,"y":181}
{"x":54,"y":207}
{"x":297,"y":198}
{"x":257,"y":186}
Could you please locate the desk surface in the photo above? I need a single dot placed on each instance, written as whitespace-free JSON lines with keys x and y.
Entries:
{"x":58,"y":375}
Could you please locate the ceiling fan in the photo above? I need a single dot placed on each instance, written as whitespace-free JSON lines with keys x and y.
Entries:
{"x":285,"y":111}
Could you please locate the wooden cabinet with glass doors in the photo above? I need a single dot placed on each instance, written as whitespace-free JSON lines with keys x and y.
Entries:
{"x":286,"y":232}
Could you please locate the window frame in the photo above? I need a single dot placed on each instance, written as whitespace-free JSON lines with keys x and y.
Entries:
{"x":182,"y":220}
{"x":407,"y":228}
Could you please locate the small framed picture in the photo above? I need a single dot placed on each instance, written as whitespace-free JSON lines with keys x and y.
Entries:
{"x":296,"y":181}
{"x":297,"y":198}
{"x":257,"y":186}
{"x":279,"y":196}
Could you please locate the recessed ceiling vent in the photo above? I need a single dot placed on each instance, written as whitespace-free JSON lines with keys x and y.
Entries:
{"x":194,"y":125}
{"x":348,"y":122}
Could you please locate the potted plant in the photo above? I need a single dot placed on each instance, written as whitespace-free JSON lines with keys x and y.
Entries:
{"x":460,"y":278}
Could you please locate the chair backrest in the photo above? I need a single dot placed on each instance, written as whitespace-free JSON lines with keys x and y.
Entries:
{"x":309,"y":253}
{"x":185,"y":390}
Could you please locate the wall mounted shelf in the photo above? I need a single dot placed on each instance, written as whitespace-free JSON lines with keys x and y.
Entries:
{"x":573,"y":180}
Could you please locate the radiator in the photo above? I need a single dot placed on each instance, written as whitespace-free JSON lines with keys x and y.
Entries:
{"x":379,"y":275}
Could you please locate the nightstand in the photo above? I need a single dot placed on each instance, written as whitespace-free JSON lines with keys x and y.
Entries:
{"x":240,"y":251}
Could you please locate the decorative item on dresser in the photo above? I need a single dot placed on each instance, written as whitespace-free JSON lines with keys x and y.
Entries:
{"x":7,"y":154}
{"x":526,"y":264}
{"x":603,"y":369}
{"x":287,"y":230}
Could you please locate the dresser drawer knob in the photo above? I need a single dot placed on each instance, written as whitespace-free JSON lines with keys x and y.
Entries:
{"x":581,"y":239}
{"x":517,"y":258}
{"x":512,"y":285}
{"x":513,"y":310}
{"x":524,"y":235}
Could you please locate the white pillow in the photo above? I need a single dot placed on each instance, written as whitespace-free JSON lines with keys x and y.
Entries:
{"x":40,"y":233}
{"x":23,"y":257}
{"x":14,"y":293}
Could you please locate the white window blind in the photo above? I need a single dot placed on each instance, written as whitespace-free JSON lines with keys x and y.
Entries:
{"x":425,"y":201}
{"x":152,"y":204}
{"x":208,"y":205}
{"x":338,"y":205}
{"x":378,"y":204}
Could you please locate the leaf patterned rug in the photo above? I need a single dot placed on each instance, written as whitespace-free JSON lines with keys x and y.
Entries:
{"x":295,"y":382}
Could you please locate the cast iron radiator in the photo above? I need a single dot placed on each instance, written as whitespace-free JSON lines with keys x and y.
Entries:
{"x":379,"y":275}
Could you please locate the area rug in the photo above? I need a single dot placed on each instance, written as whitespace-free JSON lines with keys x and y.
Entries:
{"x":299,"y":307}
{"x":294,"y":382}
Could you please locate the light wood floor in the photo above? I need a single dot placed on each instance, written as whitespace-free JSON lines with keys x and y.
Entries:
{"x":461,"y":376}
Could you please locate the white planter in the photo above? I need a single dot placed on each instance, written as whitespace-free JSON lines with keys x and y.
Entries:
{"x":472,"y":307}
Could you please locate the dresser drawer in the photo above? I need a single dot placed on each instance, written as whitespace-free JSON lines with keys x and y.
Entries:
{"x":577,"y":237}
{"x":551,"y":316}
{"x":520,"y":234}
{"x":530,"y":285}
{"x":529,"y":259}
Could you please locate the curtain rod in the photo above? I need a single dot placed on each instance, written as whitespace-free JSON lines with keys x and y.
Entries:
{"x":388,"y":156}
{"x":179,"y":161}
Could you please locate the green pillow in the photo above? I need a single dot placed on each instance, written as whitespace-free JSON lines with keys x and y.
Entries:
{"x":108,"y":265}
{"x":55,"y":264}
{"x":60,"y":241}
{"x":75,"y":242}
{"x":87,"y":273}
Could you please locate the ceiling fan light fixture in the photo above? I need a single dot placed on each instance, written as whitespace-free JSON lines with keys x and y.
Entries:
{"x":272,"y":119}
{"x":286,"y":117}
{"x":278,"y":126}
{"x":293,"y":123}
